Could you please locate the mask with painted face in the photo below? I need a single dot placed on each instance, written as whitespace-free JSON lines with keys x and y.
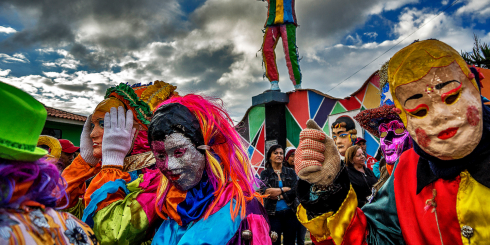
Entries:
{"x":179,"y":160}
{"x":174,"y":135}
{"x":394,"y":140}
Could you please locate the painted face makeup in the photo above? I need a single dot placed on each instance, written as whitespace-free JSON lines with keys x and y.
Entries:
{"x":179,"y":160}
{"x":342,"y":139}
{"x":394,"y":139}
{"x":444,"y":112}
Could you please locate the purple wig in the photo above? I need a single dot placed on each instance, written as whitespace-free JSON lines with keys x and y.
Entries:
{"x":47,"y":188}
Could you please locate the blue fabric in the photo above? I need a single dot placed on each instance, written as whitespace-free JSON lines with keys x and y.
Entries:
{"x":288,"y":11}
{"x":99,"y":196}
{"x":196,"y":201}
{"x":134,"y":175}
{"x":281,"y":205}
{"x":376,"y":171}
{"x":219,"y":228}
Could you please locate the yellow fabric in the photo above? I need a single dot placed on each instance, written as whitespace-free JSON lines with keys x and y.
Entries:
{"x":122,"y":222}
{"x":415,"y":61}
{"x":472,"y":209}
{"x":279,"y":12}
{"x":338,"y":222}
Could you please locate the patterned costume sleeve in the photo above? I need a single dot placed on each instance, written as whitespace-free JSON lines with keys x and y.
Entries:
{"x":120,"y":210}
{"x":75,"y":175}
{"x":376,"y":223}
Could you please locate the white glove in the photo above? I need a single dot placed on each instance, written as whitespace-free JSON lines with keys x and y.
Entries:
{"x":118,"y":136}
{"x":86,"y":144}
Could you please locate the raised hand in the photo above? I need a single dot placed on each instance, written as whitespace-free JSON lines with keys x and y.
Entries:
{"x":317,"y":159}
{"x":118,"y":136}
{"x":86,"y":144}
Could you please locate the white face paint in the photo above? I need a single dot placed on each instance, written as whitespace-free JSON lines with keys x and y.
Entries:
{"x":179,"y":160}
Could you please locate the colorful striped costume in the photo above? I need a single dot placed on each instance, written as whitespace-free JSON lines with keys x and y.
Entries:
{"x":281,"y":22}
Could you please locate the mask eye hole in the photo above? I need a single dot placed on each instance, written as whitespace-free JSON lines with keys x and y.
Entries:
{"x":383,"y":134}
{"x":452,"y":98}
{"x":399,"y":130}
{"x":161,"y":156}
{"x":101,"y":123}
{"x":420,"y":113}
{"x":179,"y":152}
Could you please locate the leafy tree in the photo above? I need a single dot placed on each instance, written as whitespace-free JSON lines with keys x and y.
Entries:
{"x":480,"y":56}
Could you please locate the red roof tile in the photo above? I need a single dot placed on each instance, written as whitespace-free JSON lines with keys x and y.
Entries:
{"x":64,"y":114}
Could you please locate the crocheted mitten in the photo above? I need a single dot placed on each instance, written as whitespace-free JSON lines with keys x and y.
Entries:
{"x":317,"y":159}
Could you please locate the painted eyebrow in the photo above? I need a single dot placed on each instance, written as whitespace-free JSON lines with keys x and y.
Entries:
{"x":413,"y":97}
{"x":442,"y":85}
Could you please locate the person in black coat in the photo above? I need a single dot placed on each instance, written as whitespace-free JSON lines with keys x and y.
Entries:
{"x":361,"y":177}
{"x":280,"y":186}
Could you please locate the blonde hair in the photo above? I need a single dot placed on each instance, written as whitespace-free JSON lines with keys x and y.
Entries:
{"x":414,"y":62}
{"x":350,"y":154}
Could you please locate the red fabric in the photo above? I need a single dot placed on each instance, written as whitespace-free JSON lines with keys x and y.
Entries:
{"x":419,"y":226}
{"x":75,"y":175}
{"x":355,"y":234}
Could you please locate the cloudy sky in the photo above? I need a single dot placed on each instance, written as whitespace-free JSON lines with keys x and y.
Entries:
{"x":67,"y":53}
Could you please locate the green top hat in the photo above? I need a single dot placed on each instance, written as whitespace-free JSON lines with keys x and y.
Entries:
{"x":21,"y":122}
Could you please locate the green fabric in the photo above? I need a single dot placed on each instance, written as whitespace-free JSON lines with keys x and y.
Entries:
{"x":128,"y":93}
{"x":293,"y":54}
{"x":382,"y":217}
{"x":272,"y":12}
{"x":76,"y":210}
{"x":24,"y":120}
{"x":123,"y":221}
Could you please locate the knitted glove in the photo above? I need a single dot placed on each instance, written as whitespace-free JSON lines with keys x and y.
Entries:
{"x":118,"y":136}
{"x":317,"y":159}
{"x":86,"y":144}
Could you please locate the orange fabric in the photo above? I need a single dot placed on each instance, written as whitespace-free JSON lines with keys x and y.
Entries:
{"x":20,"y":190}
{"x":173,"y":198}
{"x":75,"y":175}
{"x":389,"y":168}
{"x":105,"y":175}
{"x":30,"y":203}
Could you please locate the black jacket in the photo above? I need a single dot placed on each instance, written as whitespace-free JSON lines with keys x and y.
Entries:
{"x":362,"y":183}
{"x":270,"y":180}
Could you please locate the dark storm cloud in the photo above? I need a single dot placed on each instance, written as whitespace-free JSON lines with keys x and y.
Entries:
{"x":75,"y":87}
{"x":206,"y":60}
{"x":57,"y":23}
{"x":101,"y":88}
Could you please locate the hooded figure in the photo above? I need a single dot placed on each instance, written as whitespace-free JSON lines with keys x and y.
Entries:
{"x":207,"y":193}
{"x":112,"y":183}
{"x":439,"y":191}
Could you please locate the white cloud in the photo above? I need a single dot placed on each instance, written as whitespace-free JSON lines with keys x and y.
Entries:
{"x":445,"y":2}
{"x":4,"y":73}
{"x":18,"y":57}
{"x":371,"y":34}
{"x":331,"y":48}
{"x":7,"y":30}
{"x":476,"y":9}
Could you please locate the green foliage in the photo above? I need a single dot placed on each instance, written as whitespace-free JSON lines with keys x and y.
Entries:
{"x":480,"y":56}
